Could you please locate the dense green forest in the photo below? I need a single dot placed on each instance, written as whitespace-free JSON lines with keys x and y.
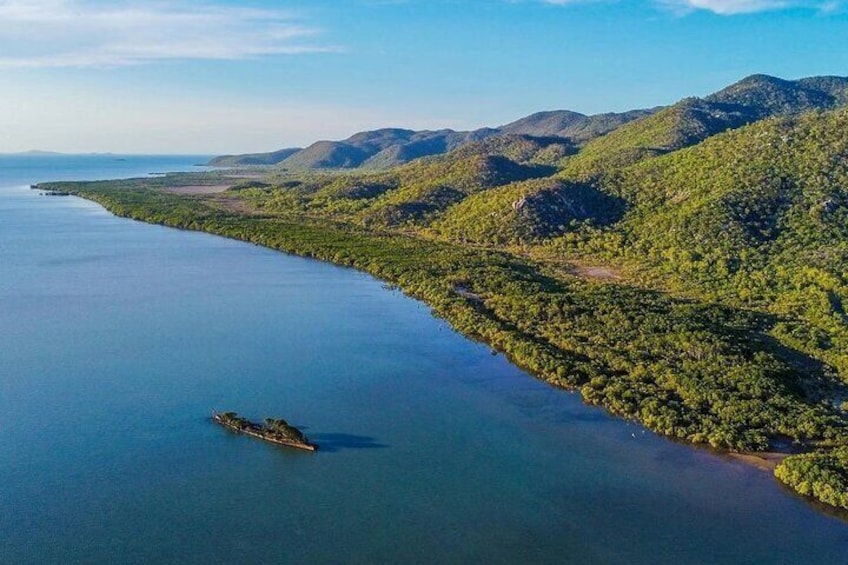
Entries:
{"x":719,"y":226}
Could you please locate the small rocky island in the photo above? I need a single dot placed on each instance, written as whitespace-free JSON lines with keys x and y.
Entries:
{"x":275,"y":430}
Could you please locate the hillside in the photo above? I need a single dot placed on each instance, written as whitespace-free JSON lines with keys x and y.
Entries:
{"x":693,"y":120}
{"x":760,"y":96}
{"x":418,"y":192}
{"x":684,"y":124}
{"x":757,"y":216}
{"x":528,"y":211}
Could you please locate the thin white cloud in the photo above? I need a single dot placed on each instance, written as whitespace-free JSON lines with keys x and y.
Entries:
{"x":734,"y":7}
{"x":731,"y":7}
{"x":85,"y":33}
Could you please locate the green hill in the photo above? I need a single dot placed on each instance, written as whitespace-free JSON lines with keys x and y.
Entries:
{"x":693,"y":120}
{"x":428,"y":187}
{"x":757,"y":216}
{"x":527,"y":211}
{"x":762,"y":95}
{"x":417,"y":192}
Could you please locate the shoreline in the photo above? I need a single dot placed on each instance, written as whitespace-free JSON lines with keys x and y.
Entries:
{"x":762,"y":460}
{"x":292,"y":244}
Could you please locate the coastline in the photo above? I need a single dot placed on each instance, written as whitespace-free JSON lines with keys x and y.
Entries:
{"x":763,"y":460}
{"x":452,"y":310}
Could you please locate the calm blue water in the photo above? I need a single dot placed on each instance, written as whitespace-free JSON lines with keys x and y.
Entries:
{"x":118,"y":338}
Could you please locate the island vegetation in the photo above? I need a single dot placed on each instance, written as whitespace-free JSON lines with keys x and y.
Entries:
{"x":686,"y":268}
{"x":274,"y":430}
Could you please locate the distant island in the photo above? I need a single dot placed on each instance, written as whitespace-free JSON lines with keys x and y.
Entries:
{"x":33,"y":153}
{"x":685,"y":267}
{"x":42,"y":153}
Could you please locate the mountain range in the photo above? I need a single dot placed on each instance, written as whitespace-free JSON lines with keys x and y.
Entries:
{"x":389,"y":147}
{"x":679,"y":125}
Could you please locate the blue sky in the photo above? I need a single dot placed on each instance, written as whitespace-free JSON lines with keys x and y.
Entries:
{"x":219,"y":76}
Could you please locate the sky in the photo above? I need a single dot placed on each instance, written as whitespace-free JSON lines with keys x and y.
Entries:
{"x":220,"y":76}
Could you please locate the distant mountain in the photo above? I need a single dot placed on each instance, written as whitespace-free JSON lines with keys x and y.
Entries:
{"x":385,"y":148}
{"x":34,"y":153}
{"x":580,"y":128}
{"x":376,"y":149}
{"x":423,"y":144}
{"x":253,"y":158}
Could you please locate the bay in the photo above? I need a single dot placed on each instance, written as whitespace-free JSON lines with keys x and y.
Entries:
{"x":118,"y":339}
